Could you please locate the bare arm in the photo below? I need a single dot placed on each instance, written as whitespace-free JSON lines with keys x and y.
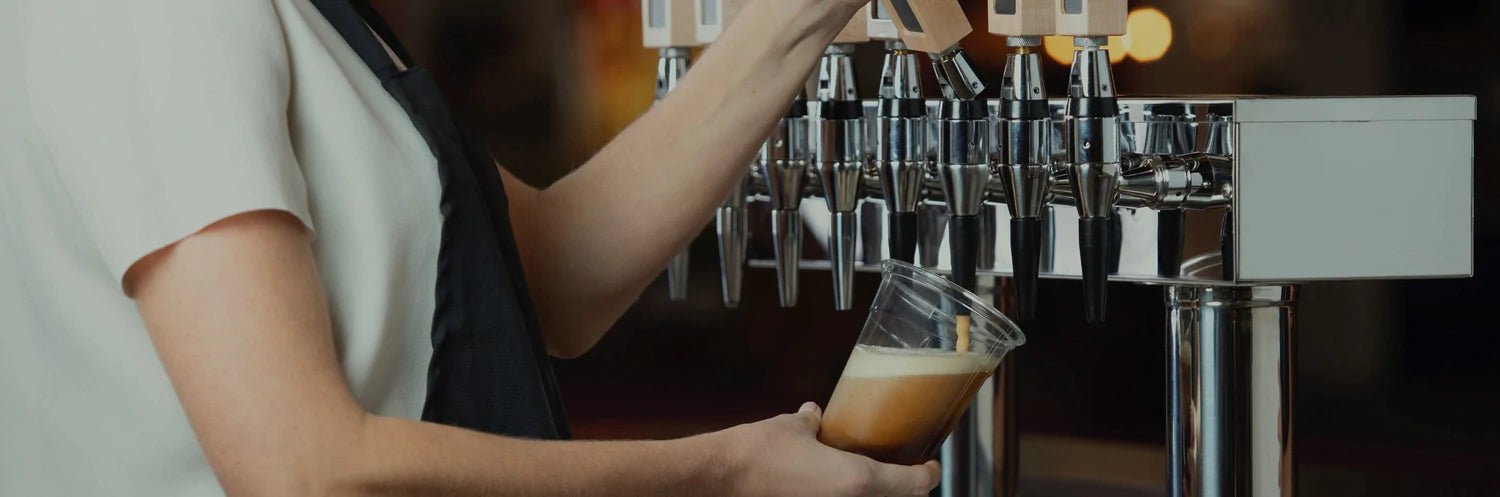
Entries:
{"x":602,"y":233}
{"x":236,"y":313}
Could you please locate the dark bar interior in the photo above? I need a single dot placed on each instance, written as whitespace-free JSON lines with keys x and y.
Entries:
{"x":1398,"y":388}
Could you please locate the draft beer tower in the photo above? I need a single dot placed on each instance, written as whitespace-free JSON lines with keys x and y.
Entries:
{"x":1227,"y":203}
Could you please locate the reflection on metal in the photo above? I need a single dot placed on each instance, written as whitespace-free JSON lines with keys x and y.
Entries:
{"x":1230,"y":370}
{"x":1315,"y":187}
{"x":1299,"y":214}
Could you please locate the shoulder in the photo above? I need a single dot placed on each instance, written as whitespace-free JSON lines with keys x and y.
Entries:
{"x":138,"y":36}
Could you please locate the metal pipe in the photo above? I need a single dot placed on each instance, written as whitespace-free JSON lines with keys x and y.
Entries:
{"x":840,"y":154}
{"x":901,"y":147}
{"x":1005,"y":416}
{"x":1092,"y":130}
{"x":1023,"y":164}
{"x":733,"y":226}
{"x":783,"y":165}
{"x":1230,"y":373}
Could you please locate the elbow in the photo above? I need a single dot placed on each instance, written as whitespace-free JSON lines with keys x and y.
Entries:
{"x":332,"y":465}
{"x":570,"y":337}
{"x":570,"y":333}
{"x":568,"y":347}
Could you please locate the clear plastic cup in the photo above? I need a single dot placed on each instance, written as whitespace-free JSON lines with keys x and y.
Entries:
{"x":906,"y":384}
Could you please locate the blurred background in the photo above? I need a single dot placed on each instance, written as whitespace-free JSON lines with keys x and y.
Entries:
{"x":1398,"y":387}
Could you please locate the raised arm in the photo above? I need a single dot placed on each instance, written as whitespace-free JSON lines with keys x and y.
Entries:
{"x":602,"y":233}
{"x":237,"y":315}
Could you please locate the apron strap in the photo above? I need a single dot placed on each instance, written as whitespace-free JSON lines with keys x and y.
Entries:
{"x":359,"y":23}
{"x":490,"y":370}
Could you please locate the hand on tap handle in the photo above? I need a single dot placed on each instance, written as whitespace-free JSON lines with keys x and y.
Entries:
{"x":601,"y":234}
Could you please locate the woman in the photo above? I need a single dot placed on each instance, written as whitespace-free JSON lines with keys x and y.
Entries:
{"x":245,"y":249}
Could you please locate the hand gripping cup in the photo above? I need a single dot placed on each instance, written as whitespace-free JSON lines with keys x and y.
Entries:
{"x":914,"y":372}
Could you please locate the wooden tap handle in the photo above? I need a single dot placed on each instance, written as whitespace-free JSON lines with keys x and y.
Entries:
{"x":1091,"y":17}
{"x":668,"y":23}
{"x":857,"y":30}
{"x":713,"y":16}
{"x":1023,"y":17}
{"x":930,"y":26}
{"x":878,"y":22}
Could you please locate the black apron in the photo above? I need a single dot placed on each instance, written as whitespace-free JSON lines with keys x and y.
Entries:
{"x":490,"y":370}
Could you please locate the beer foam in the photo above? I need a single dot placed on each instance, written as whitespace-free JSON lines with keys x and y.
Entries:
{"x":869,"y":361}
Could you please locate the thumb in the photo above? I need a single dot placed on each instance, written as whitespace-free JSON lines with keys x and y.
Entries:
{"x":907,"y":480}
{"x":809,"y":416}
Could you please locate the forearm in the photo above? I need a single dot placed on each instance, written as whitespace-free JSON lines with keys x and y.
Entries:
{"x":606,"y":230}
{"x":404,"y":457}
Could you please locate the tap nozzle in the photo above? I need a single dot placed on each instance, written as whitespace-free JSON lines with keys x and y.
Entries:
{"x":1092,"y":130}
{"x":956,"y":75}
{"x":963,"y":169}
{"x":671,"y":65}
{"x":1024,"y":164}
{"x":901,"y":147}
{"x":840,"y":154}
{"x":783,"y":165}
{"x":734,"y":233}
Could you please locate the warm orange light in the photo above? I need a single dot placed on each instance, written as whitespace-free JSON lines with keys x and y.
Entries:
{"x":1212,"y":35}
{"x":1150,"y":34}
{"x":1118,"y":46}
{"x":1060,"y":48}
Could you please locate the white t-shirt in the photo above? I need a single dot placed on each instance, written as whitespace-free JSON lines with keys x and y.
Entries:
{"x":128,"y":125}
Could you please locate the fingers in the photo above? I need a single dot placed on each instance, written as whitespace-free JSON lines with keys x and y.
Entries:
{"x":808,"y":417}
{"x":892,"y":479}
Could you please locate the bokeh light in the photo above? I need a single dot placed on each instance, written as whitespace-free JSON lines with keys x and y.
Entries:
{"x":1059,"y":48}
{"x":1150,"y":34}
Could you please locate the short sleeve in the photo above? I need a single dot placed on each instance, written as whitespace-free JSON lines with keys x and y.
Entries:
{"x":163,"y":116}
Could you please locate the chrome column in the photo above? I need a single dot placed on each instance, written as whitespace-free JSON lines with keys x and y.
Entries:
{"x":840,"y":153}
{"x":783,"y":164}
{"x":1230,"y":372}
{"x":1024,"y":164}
{"x":1092,"y":140}
{"x":733,"y":226}
{"x":901,"y":147}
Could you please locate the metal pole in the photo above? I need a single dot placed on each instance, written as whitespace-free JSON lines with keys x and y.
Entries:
{"x":1230,"y":373}
{"x":1006,"y":420}
{"x":1005,"y":417}
{"x":972,"y":452}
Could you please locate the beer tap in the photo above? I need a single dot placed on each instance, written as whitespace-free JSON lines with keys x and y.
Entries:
{"x":731,"y":221}
{"x":901,"y":136}
{"x":783,"y":164}
{"x":1024,"y":130}
{"x":1091,"y":133}
{"x":962,"y":166}
{"x":669,"y":27}
{"x":840,"y":153}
